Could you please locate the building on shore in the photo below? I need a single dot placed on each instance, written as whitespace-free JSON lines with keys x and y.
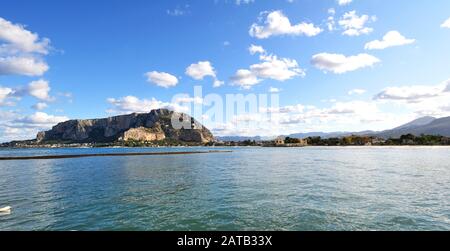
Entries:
{"x":279,"y":141}
{"x":290,"y":142}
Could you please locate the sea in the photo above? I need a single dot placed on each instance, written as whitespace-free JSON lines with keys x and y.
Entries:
{"x":249,"y":188}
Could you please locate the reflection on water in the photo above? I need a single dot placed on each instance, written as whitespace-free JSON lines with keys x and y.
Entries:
{"x":369,"y":188}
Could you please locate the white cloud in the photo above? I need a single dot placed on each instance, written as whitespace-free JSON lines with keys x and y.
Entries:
{"x":40,"y":89}
{"x":274,"y":90}
{"x":17,"y":38}
{"x":218,"y":83}
{"x":253,"y":49}
{"x":338,"y":63}
{"x":446,"y":24}
{"x":202,"y":69}
{"x":132,"y":104}
{"x":271,"y":67}
{"x":280,"y":69}
{"x":13,"y":126}
{"x":18,"y":132}
{"x":41,"y":119}
{"x":331,"y":23}
{"x":277,"y":24}
{"x":357,"y":92}
{"x":4,"y":93}
{"x":411,"y":94}
{"x":40,"y":106}
{"x":162,"y":79}
{"x":422,"y":100}
{"x":245,"y":79}
{"x":26,"y":65}
{"x":344,"y":2}
{"x":355,"y":25}
{"x":391,"y":39}
{"x":20,"y":50}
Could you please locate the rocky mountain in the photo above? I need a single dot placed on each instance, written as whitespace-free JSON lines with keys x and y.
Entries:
{"x":405,"y":129}
{"x":416,"y":123}
{"x":426,"y":125}
{"x":153,"y":126}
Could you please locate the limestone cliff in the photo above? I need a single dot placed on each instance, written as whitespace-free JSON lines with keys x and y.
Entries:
{"x":144,"y":134}
{"x":153,"y":126}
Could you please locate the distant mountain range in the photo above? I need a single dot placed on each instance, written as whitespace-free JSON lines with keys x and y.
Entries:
{"x":425,"y":125}
{"x":238,"y":138}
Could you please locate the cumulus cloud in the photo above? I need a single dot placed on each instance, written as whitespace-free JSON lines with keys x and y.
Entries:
{"x":355,"y":25}
{"x":202,"y":69}
{"x":271,"y":67}
{"x":40,"y":89}
{"x":275,"y":68}
{"x":411,"y":94}
{"x":40,"y":106}
{"x":446,"y":24}
{"x":16,"y":126}
{"x":5,"y":92}
{"x":422,"y":100}
{"x":132,"y":104}
{"x":41,"y":119}
{"x":245,"y":78}
{"x":276,"y":24}
{"x":162,"y":79}
{"x":20,"y":50}
{"x":18,"y":39}
{"x":391,"y":39}
{"x":254,"y":49}
{"x":339,"y":64}
{"x":26,"y":65}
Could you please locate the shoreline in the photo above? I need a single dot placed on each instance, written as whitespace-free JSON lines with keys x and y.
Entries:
{"x":72,"y":156}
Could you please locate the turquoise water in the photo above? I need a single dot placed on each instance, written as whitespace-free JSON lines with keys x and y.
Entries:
{"x":366,"y":188}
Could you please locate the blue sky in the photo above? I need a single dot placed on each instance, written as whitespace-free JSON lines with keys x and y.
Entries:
{"x":327,"y":59}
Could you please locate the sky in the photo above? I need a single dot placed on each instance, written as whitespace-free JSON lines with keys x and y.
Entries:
{"x":334,"y":65}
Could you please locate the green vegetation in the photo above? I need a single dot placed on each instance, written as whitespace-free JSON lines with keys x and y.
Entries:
{"x":289,"y":140}
{"x":355,"y":140}
{"x":424,"y":140}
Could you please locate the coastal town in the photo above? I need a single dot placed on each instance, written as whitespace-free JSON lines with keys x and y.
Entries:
{"x":352,"y":140}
